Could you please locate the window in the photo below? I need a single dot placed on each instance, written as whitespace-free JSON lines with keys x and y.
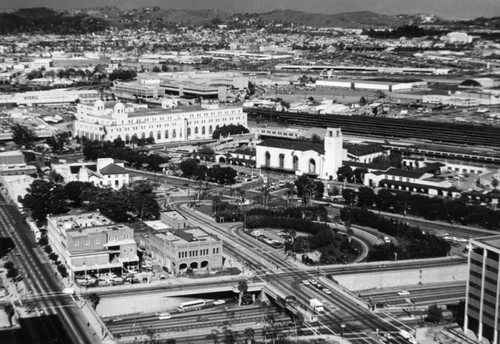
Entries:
{"x":282,"y":160}
{"x":173,"y":134}
{"x":97,"y":240}
{"x":295,"y":163}
{"x":196,"y":130}
{"x":268,"y":159}
{"x":87,"y":242}
{"x":166,"y":134}
{"x":312,"y":166}
{"x":76,"y":242}
{"x":158,"y":135}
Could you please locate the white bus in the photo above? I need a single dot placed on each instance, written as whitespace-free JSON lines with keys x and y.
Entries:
{"x":191,"y":306}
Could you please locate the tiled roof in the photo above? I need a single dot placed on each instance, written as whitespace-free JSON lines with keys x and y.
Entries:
{"x":113,"y":169}
{"x":293,"y":145}
{"x":404,"y":173}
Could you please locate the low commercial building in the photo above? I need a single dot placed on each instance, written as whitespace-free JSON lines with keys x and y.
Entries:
{"x":183,"y":250}
{"x":91,"y":243}
{"x":483,"y":289}
{"x":421,"y":181}
{"x":321,"y":160}
{"x":139,"y":90}
{"x":174,"y":219}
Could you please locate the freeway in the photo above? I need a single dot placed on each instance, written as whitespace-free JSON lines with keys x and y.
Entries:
{"x":420,"y":296}
{"x":347,"y":311}
{"x":62,"y":321}
{"x":203,"y":321}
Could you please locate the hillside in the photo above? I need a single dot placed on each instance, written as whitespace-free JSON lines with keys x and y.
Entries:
{"x":347,"y":20}
{"x":45,"y":20}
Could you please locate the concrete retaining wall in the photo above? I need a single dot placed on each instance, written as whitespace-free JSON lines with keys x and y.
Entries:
{"x":381,"y":279}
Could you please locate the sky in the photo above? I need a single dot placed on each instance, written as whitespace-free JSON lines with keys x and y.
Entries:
{"x":443,"y":8}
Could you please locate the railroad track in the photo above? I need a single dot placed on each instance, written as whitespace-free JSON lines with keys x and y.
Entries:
{"x":463,"y":134}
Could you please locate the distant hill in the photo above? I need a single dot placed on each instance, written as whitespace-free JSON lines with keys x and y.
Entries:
{"x":47,"y":20}
{"x":346,"y":20}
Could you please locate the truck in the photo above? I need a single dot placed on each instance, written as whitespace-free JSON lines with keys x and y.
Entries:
{"x":316,"y":305}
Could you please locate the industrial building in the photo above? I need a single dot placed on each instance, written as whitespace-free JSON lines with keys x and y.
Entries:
{"x":51,"y":97}
{"x":483,"y":289}
{"x":108,"y":121}
{"x":381,"y":84}
{"x":364,"y":69}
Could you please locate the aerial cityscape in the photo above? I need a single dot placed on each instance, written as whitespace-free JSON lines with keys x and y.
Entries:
{"x":250,"y":172}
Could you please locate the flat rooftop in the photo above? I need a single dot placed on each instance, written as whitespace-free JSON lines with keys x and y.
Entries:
{"x":173,"y":215}
{"x":85,"y":221}
{"x":493,"y":241}
{"x":157,"y":225}
{"x":186,"y":236}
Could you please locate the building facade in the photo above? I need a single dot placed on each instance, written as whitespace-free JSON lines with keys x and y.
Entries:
{"x":102,"y":121}
{"x":106,"y":172}
{"x":320,"y":160}
{"x":174,"y":219}
{"x":483,"y":289}
{"x":186,"y":249}
{"x":91,"y":243}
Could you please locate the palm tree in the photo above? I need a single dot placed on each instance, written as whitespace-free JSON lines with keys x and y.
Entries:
{"x":242,"y":287}
{"x":249,"y":335}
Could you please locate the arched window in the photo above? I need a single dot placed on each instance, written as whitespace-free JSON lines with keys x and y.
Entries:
{"x":268,"y":159}
{"x":217,"y":127}
{"x":282,"y":160}
{"x":210,"y":130}
{"x":203,"y":130}
{"x":312,"y":166}
{"x":196,"y":130}
{"x":174,"y":135}
{"x":166,"y":134}
{"x":127,"y":139}
{"x":158,"y":135}
{"x":189,"y":132}
{"x":143,"y":135}
{"x":151,"y":134}
{"x":295,"y":163}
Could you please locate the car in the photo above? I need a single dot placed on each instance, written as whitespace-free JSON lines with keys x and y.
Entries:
{"x":403,"y":293}
{"x":313,"y":282}
{"x":116,"y":319}
{"x":219,"y":302}
{"x":306,"y":282}
{"x":69,"y":291}
{"x":17,"y":253}
{"x":164,"y":316}
{"x":327,"y":291}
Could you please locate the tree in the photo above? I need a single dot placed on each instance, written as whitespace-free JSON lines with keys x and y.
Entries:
{"x":366,"y":196}
{"x":319,"y":189}
{"x":94,"y":299}
{"x":434,"y":314}
{"x":156,"y":69}
{"x":359,"y":174}
{"x":306,"y":187}
{"x":230,"y":129}
{"x":188,"y":167}
{"x":494,"y":183}
{"x":242,"y":288}
{"x":22,"y":135}
{"x":229,"y":336}
{"x":349,"y":196}
{"x":345,"y":173}
{"x":315,"y":138}
{"x":249,"y":335}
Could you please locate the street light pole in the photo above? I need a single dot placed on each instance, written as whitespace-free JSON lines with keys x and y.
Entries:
{"x":342,"y":327}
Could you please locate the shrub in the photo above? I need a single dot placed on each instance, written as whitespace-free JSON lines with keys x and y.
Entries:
{"x":48,"y":249}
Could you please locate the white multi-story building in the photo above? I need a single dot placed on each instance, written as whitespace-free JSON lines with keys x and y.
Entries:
{"x":108,"y":121}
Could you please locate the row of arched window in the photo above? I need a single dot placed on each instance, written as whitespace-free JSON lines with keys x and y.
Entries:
{"x":295,"y":162}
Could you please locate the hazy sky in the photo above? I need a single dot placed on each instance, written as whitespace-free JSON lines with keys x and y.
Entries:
{"x":446,"y":8}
